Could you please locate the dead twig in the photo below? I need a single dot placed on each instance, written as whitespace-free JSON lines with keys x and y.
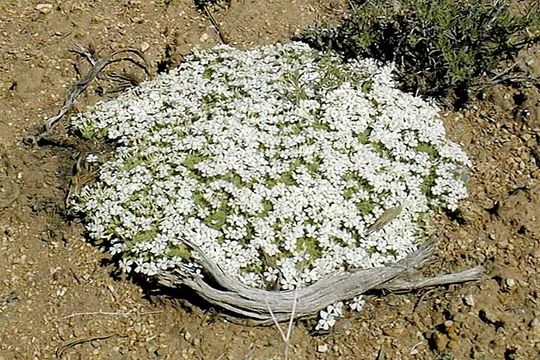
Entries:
{"x":421,"y":298}
{"x":88,"y":53}
{"x":215,"y":24}
{"x":398,"y":284}
{"x":112,"y":313}
{"x":122,"y":55}
{"x":286,"y":337}
{"x":516,"y":79}
{"x":506,"y":77}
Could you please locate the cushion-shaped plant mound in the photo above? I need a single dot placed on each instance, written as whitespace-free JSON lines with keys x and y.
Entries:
{"x":281,"y":165}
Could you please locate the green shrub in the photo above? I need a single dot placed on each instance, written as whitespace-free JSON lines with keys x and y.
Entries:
{"x":440,"y":47}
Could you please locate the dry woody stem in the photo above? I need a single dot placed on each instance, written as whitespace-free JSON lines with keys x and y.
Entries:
{"x":80,"y":86}
{"x":263,"y":307}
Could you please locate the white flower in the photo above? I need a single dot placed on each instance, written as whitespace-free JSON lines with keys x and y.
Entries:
{"x":335,"y":309}
{"x":357,"y":303}
{"x":271,"y":275}
{"x":146,"y":268}
{"x":288,"y":283}
{"x":116,"y":249}
{"x":92,"y":158}
{"x":326,"y":321}
{"x":125,"y":265}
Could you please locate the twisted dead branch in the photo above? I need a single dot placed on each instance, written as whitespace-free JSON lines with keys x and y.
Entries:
{"x":263,"y":307}
{"x":131,"y":55}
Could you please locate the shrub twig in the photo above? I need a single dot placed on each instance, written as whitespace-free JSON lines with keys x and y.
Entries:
{"x":112,"y":313}
{"x":286,"y":337}
{"x":215,"y":24}
{"x":80,"y":86}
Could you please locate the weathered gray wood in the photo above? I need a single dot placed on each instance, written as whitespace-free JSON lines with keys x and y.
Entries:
{"x":255,"y":304}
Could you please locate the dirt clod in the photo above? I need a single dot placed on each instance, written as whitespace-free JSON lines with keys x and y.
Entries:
{"x":438,"y":341}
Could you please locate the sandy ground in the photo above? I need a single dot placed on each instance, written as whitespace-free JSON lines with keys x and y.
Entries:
{"x":59,"y":297}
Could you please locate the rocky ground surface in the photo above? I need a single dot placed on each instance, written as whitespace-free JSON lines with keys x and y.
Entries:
{"x":59,"y":297}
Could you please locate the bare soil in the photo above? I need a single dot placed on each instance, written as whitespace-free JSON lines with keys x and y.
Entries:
{"x":59,"y":297}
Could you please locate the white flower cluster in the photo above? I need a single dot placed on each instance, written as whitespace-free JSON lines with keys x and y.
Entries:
{"x":283,"y":164}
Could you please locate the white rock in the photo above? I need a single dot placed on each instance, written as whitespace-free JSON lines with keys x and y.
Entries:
{"x":204,"y":37}
{"x":469,"y":300}
{"x":44,"y":8}
{"x":322,"y":348}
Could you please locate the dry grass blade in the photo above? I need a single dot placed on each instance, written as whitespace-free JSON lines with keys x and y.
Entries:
{"x":80,"y":177}
{"x":113,"y":313}
{"x":214,"y":24}
{"x":286,"y":337}
{"x":276,"y":322}
{"x":387,"y":216}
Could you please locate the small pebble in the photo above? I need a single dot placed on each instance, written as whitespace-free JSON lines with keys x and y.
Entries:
{"x":322,"y":348}
{"x":510,"y":283}
{"x":204,"y":37}
{"x":534,"y":325}
{"x":469,"y":300}
{"x":44,"y":8}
